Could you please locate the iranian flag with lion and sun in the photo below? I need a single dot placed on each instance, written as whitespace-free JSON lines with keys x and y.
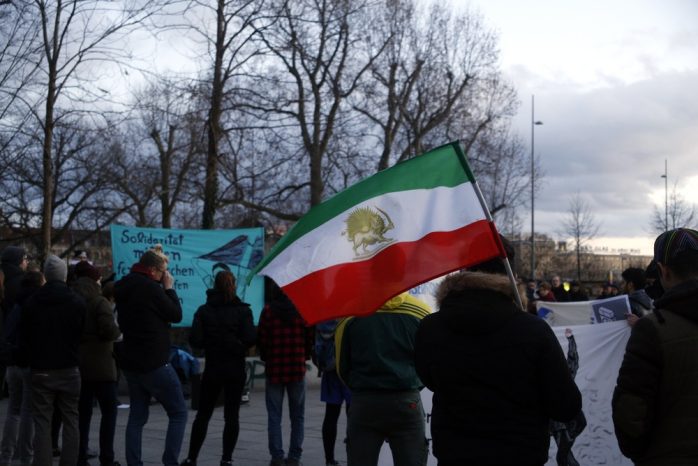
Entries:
{"x":401,"y":227}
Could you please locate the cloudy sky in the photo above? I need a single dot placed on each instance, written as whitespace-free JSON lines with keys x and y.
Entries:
{"x":616,"y":85}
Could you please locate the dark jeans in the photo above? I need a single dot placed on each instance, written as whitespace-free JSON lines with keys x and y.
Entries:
{"x":163,"y":384}
{"x":397,"y":417}
{"x":18,"y":432}
{"x":63,"y":387}
{"x":212,"y":382}
{"x":296,"y":408}
{"x":105,"y":392}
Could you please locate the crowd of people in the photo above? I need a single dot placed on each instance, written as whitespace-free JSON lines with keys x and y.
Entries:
{"x":502,"y":385}
{"x":640,"y":285}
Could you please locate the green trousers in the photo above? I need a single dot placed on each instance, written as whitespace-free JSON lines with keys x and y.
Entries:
{"x":395,"y":417}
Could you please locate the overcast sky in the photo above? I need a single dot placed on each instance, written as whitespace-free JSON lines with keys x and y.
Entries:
{"x":616,"y":85}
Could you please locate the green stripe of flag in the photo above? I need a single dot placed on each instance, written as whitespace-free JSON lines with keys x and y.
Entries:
{"x":443,"y":166}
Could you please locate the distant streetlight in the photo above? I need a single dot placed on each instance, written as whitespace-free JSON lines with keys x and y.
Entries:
{"x":533,"y":188}
{"x":666,"y":198}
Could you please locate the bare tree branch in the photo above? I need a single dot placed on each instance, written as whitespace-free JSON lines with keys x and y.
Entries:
{"x":581,"y":225}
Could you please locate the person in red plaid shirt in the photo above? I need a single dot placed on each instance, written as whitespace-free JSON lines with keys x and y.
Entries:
{"x":285,"y":344}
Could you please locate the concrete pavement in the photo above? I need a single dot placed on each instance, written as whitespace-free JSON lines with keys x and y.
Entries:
{"x":251,"y":449}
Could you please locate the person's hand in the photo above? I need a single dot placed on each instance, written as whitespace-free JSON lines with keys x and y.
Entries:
{"x":632,"y":319}
{"x":568,"y":332}
{"x":167,"y":280}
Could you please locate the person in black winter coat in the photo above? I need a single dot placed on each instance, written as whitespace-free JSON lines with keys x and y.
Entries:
{"x":655,"y":413}
{"x":50,"y":329}
{"x":14,"y":265}
{"x":18,"y":431}
{"x":498,"y":374}
{"x":147,"y":304}
{"x":223,"y":327}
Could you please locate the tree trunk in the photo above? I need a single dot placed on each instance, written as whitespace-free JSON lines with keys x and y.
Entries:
{"x":166,"y":154}
{"x":214,"y":130}
{"x":47,"y":161}
{"x":317,"y":185}
{"x":47,"y":211}
{"x":579,"y":263}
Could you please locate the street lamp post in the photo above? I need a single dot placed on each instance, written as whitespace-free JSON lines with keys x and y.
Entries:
{"x":533,"y":187}
{"x":666,"y":197}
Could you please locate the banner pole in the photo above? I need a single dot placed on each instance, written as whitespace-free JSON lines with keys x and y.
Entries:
{"x":505,"y":260}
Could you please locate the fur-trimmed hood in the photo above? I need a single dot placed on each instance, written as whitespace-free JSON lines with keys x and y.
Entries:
{"x":476,"y":303}
{"x":475,"y":281}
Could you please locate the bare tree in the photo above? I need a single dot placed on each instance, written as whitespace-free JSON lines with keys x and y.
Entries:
{"x":77,"y":39}
{"x":679,"y":214}
{"x":81,"y":191}
{"x":157,"y":156}
{"x":319,"y":63}
{"x":385,"y":93}
{"x":18,"y":65}
{"x":314,"y":104}
{"x":134,"y":179}
{"x":268,"y":185}
{"x":232,"y":50}
{"x":438,"y":80}
{"x":172,"y":125}
{"x":581,"y":225}
{"x":499,"y":161}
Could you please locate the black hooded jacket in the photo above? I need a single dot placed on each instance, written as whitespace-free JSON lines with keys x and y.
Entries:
{"x":655,"y":403}
{"x":11,"y":285}
{"x":498,"y":375}
{"x":10,"y":331}
{"x":225,"y":331}
{"x":145,"y":312}
{"x":50,"y":327}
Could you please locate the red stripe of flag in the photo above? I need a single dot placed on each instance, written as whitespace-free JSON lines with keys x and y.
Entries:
{"x":361,"y":287}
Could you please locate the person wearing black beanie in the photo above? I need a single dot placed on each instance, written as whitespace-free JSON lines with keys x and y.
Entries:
{"x":655,"y":413}
{"x":50,"y":330}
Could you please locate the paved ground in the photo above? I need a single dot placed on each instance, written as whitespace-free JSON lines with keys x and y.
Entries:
{"x":251,"y":448}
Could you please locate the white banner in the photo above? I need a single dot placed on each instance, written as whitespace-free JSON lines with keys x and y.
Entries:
{"x":601,"y":349}
{"x":584,"y":312}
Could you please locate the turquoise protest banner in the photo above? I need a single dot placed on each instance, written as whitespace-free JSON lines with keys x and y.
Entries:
{"x":195,"y":258}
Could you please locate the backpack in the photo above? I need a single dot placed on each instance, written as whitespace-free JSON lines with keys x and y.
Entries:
{"x":324,"y":345}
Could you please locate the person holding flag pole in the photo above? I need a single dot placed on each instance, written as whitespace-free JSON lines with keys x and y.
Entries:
{"x":359,"y":251}
{"x":498,"y":374}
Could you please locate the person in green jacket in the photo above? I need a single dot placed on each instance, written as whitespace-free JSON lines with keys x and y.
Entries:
{"x":97,"y":365}
{"x":375,"y":359}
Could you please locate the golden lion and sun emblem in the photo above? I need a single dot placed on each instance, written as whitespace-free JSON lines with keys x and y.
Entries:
{"x":367,"y":227}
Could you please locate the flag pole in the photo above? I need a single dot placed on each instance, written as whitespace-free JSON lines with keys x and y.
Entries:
{"x":505,"y":260}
